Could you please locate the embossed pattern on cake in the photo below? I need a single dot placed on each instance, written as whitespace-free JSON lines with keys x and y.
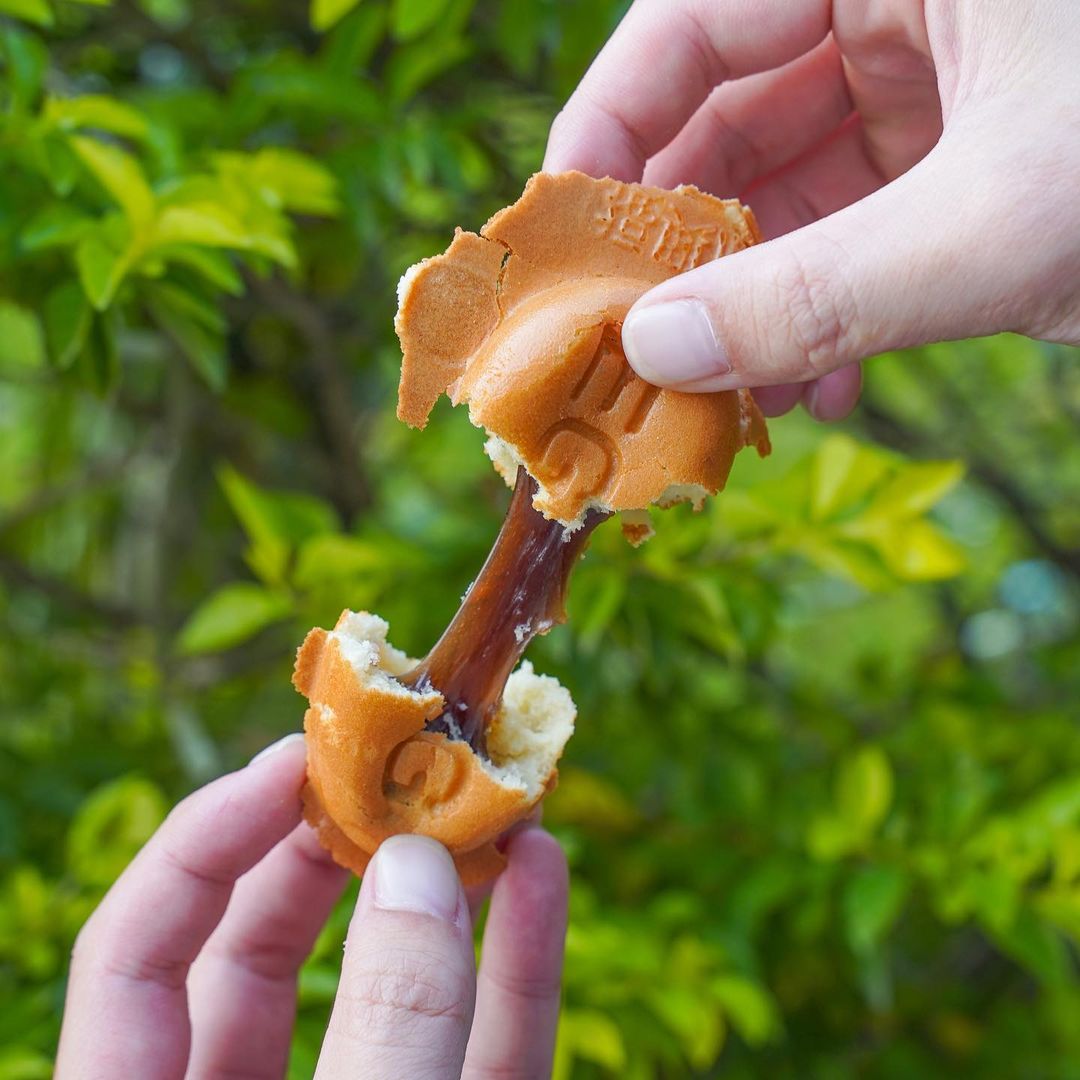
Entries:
{"x":523,"y":322}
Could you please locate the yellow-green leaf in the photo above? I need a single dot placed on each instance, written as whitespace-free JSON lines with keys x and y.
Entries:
{"x":110,"y":827}
{"x":121,"y":176}
{"x":22,"y":345}
{"x":101,"y":267}
{"x":95,"y":111}
{"x":842,"y":473}
{"x":915,"y":488}
{"x":325,"y":13}
{"x":32,"y":11}
{"x":919,"y":551}
{"x":864,"y":788}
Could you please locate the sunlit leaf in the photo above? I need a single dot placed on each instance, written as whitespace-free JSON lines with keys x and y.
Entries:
{"x":864,"y":787}
{"x":121,"y":176}
{"x":325,"y":13}
{"x":842,"y":474}
{"x":101,"y":266}
{"x":748,"y":1007}
{"x":95,"y":111}
{"x":915,"y":488}
{"x":33,"y":11}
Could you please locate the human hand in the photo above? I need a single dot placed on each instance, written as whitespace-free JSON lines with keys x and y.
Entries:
{"x":918,"y":157}
{"x":218,"y":911}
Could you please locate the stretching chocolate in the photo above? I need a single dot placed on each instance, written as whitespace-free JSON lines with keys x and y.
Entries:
{"x":520,"y":592}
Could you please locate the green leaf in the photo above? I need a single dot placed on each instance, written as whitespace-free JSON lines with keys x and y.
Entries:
{"x":22,"y":344}
{"x":842,"y":473}
{"x":101,"y":266}
{"x":919,"y":551}
{"x":25,"y":59}
{"x":1038,"y":947}
{"x":196,"y":326}
{"x":58,"y":225}
{"x":68,"y":318}
{"x":33,"y":11}
{"x":275,"y":521}
{"x":215,"y":266}
{"x":873,"y":898}
{"x":207,"y":224}
{"x":750,"y":1009}
{"x":121,"y":176}
{"x":325,"y":13}
{"x":57,"y":163}
{"x":230,"y":616}
{"x":22,"y":1063}
{"x":864,"y":787}
{"x":410,"y":18}
{"x":415,"y":65}
{"x":289,"y":180}
{"x":99,"y":362}
{"x":112,"y":824}
{"x":915,"y":488}
{"x":590,"y":1035}
{"x":95,"y":111}
{"x":284,"y":515}
{"x":171,"y":14}
{"x":333,"y":557}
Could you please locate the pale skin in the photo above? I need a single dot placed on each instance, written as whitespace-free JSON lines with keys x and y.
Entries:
{"x":913,"y":165}
{"x":189,"y":965}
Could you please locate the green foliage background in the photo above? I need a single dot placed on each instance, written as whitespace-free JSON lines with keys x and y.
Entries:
{"x":823,"y":805}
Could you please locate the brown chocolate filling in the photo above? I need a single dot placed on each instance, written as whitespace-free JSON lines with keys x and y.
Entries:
{"x":520,"y":592}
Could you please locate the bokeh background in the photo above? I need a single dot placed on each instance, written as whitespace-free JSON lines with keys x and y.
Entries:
{"x":823,"y":805}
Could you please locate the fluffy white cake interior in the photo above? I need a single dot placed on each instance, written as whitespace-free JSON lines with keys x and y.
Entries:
{"x":526,"y":738}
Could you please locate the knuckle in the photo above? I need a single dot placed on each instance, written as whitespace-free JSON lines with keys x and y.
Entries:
{"x":535,"y":989}
{"x":820,"y":308}
{"x":404,"y":991}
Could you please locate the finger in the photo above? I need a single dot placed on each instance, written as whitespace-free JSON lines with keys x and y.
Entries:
{"x":478,"y":894}
{"x":907,"y":265}
{"x":405,"y":1001}
{"x":517,"y":1002}
{"x":242,"y":988}
{"x":777,"y":400}
{"x":660,"y":64}
{"x":828,"y":178}
{"x":833,"y":396}
{"x":753,"y":126}
{"x":126,"y":1012}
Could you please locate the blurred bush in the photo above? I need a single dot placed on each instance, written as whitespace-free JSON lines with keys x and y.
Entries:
{"x":823,"y":806}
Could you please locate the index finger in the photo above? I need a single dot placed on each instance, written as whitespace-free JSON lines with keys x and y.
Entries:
{"x":126,"y":1012}
{"x":660,"y":65}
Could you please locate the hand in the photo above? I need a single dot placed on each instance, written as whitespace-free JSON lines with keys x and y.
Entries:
{"x":918,"y":157}
{"x":217,"y":913}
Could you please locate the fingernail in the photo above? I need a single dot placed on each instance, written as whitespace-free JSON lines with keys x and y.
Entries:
{"x":416,"y":873}
{"x":274,"y":747}
{"x":673,"y":343}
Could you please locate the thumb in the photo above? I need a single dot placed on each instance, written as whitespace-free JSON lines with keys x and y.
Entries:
{"x":925,"y":258}
{"x":404,"y":1005}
